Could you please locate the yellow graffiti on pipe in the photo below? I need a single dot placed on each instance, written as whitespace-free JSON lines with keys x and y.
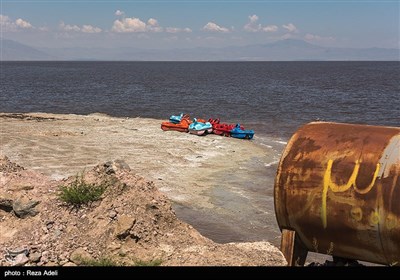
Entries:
{"x":329,"y":185}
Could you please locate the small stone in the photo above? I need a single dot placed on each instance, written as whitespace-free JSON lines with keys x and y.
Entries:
{"x":57,"y":233}
{"x":111,"y":167}
{"x":45,"y":256}
{"x":20,"y":260}
{"x":23,"y":209}
{"x":112,"y":214}
{"x":122,"y":252}
{"x":6,"y":204}
{"x":79,"y":255}
{"x":35,"y":257}
{"x":64,"y":256}
{"x":113,"y":247}
{"x":63,"y":262}
{"x":124,"y":225}
{"x":96,"y":203}
{"x":69,"y":264}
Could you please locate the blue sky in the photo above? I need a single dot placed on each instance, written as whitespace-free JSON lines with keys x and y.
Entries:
{"x":180,"y":24}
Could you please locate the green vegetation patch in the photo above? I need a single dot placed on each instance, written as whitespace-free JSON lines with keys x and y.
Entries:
{"x":100,"y":262}
{"x":80,"y":192}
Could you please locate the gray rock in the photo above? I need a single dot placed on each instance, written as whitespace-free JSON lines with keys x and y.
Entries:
{"x":20,"y":260}
{"x":6,"y":204}
{"x":111,"y":167}
{"x":23,"y":209}
{"x":15,"y":252}
{"x":122,"y":165}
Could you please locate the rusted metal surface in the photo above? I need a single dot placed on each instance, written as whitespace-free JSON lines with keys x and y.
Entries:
{"x":338,"y":187}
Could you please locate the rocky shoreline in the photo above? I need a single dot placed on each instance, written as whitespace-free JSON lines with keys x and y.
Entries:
{"x":132,"y":223}
{"x":220,"y":185}
{"x":134,"y":220}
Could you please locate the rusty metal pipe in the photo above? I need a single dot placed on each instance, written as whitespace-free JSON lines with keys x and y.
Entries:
{"x":338,"y":187}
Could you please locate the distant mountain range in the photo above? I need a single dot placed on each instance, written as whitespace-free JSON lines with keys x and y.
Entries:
{"x":12,"y":50}
{"x":283,"y":50}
